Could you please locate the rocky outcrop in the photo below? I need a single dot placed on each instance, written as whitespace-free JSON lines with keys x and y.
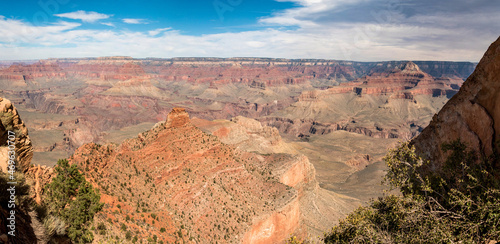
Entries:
{"x":178,"y":117}
{"x":195,"y":184}
{"x":472,"y":115}
{"x":13,"y":129}
{"x":14,"y":137}
{"x":318,"y":208}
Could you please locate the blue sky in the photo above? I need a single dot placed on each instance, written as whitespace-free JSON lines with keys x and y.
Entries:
{"x":362,"y":30}
{"x":190,"y":17}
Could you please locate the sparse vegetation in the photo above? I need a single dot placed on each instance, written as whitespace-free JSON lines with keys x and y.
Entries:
{"x":458,"y":203}
{"x":71,"y":202}
{"x":123,"y":227}
{"x":101,"y":228}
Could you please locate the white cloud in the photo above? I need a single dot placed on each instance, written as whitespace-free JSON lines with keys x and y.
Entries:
{"x":390,"y":35}
{"x":304,"y":15}
{"x":84,"y":16}
{"x":108,"y":24}
{"x":255,"y":44}
{"x":135,"y":21}
{"x":158,"y":31}
{"x":328,"y":44}
{"x":18,"y":31}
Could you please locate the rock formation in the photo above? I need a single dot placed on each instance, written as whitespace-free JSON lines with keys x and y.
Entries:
{"x":472,"y":115}
{"x":195,"y":187}
{"x":192,"y":184}
{"x":177,"y":118}
{"x":11,"y":122}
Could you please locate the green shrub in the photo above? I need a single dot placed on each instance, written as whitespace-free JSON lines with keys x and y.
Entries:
{"x":101,"y":228}
{"x":457,"y":202}
{"x":72,"y":199}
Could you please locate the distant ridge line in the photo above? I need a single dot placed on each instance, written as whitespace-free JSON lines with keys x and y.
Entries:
{"x":247,"y":59}
{"x":434,"y":68}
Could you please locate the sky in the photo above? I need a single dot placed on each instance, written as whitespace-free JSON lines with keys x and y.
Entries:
{"x":358,"y":30}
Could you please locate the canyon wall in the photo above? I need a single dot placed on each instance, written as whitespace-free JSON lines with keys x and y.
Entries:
{"x":472,"y":115}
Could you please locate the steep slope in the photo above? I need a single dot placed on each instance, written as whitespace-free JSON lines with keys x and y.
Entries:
{"x":179,"y":183}
{"x":472,"y":115}
{"x":319,"y":208}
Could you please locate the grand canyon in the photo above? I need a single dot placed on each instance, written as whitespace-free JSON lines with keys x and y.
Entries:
{"x":249,"y":122}
{"x":238,"y":150}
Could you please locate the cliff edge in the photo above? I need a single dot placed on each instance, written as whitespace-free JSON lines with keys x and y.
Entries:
{"x":472,"y":115}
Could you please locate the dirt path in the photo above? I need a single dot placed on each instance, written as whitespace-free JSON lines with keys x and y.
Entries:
{"x":38,"y":228}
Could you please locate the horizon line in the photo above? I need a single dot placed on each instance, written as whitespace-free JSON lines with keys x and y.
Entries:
{"x":223,"y":58}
